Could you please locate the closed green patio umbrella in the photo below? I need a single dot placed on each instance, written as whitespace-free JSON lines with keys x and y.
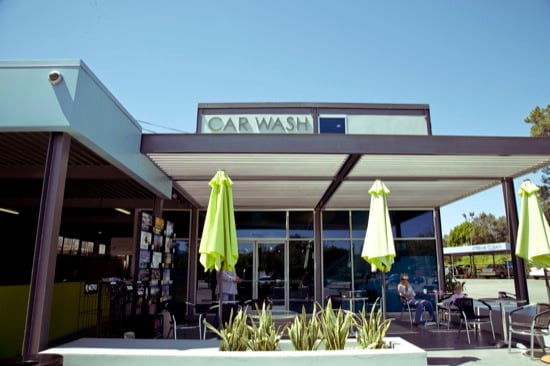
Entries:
{"x":533,"y":239}
{"x":219,"y":247}
{"x":379,"y":248}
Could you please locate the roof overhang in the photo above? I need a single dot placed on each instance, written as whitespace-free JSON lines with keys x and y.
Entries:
{"x":80,"y":106}
{"x":336,"y":171}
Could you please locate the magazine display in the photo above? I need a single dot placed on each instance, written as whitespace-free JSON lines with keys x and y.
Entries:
{"x":154,"y":262}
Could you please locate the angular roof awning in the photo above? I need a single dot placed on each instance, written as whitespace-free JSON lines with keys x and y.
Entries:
{"x":335,"y":171}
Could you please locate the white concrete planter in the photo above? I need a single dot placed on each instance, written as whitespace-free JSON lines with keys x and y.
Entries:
{"x":145,"y":352}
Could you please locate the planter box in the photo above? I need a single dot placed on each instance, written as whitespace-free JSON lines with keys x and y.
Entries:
{"x":146,"y":352}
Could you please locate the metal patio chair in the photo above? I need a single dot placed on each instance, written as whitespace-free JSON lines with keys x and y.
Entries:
{"x":469,"y":316}
{"x":537,"y":326}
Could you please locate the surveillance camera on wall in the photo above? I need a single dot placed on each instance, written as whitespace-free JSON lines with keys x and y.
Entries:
{"x":55,"y":77}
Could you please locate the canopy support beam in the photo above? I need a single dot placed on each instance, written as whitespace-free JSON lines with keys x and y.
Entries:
{"x":518,"y":266}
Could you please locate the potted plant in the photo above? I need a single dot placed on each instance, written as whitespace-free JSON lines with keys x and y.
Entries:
{"x":235,"y":333}
{"x":335,"y":326}
{"x":264,"y":335}
{"x":242,"y":333}
{"x":371,"y":331}
{"x":304,"y":334}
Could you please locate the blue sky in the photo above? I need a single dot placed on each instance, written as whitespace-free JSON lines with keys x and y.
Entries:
{"x":482,"y":66}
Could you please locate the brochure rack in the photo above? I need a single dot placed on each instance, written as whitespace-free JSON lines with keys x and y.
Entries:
{"x":154,"y":263}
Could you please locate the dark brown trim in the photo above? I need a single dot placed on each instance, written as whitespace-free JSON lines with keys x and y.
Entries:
{"x":344,"y":144}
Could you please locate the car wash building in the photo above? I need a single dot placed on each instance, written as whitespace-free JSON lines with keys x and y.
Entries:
{"x":71,"y":154}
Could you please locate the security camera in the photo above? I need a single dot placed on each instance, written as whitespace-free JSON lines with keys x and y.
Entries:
{"x":55,"y":77}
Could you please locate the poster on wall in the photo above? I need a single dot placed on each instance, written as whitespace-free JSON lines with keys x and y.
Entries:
{"x":157,"y":260}
{"x":166,"y":276}
{"x":145,"y":240}
{"x":144,"y":275}
{"x":157,"y":242}
{"x":167,"y":260}
{"x":146,"y":221}
{"x":159,"y":225}
{"x":155,"y":276}
{"x":168,"y":245}
{"x":165,"y":293}
{"x":169,"y":228}
{"x":144,"y":258}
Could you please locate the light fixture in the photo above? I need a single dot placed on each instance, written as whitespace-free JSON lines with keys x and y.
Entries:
{"x":55,"y":77}
{"x":123,"y":210}
{"x":7,"y":210}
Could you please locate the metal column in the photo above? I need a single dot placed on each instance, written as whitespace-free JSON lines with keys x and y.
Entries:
{"x":518,"y":266}
{"x":37,"y":324}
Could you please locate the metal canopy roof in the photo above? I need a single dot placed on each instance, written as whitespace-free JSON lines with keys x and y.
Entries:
{"x":336,"y":171}
{"x":281,"y":171}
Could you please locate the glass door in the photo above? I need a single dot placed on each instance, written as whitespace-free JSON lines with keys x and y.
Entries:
{"x":262,"y":266}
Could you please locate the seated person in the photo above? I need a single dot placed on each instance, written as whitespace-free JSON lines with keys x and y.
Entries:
{"x":406,"y":292}
{"x":457,"y":294}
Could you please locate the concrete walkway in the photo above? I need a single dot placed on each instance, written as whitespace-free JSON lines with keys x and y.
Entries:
{"x":480,"y":357}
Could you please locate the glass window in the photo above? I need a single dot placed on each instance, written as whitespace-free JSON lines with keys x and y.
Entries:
{"x":412,"y":224}
{"x":70,"y":246}
{"x":337,"y":267}
{"x":336,"y":224}
{"x":359,"y":221}
{"x":300,"y":224}
{"x":181,"y":221}
{"x":417,"y":259}
{"x":178,"y":274}
{"x":258,"y":224}
{"x":266,"y":224}
{"x":301,"y":275}
{"x":361,"y":268}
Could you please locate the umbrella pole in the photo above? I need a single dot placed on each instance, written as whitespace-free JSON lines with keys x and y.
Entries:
{"x":383,"y":296}
{"x":546,"y":283}
{"x":220,"y":299}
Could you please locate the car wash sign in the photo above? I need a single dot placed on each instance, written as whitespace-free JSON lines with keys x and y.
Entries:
{"x":257,"y":123}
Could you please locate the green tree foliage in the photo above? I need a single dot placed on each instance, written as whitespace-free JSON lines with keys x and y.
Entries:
{"x":484,"y":228}
{"x":488,"y":229}
{"x":459,"y":235}
{"x":540,"y":118}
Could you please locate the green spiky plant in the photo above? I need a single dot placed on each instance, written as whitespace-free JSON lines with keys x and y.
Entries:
{"x":335,"y":327}
{"x":235,"y":333}
{"x":372,"y":329}
{"x":304,"y":334}
{"x":264,"y":335}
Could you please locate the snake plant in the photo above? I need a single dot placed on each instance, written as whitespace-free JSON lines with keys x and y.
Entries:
{"x":303,"y":334}
{"x":235,"y":333}
{"x":371,"y":330}
{"x":264,"y":335}
{"x":335,"y":327}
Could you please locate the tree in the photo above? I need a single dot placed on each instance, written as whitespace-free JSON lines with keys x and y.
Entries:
{"x":458,"y":236}
{"x":540,"y":118}
{"x":488,"y":229}
{"x":484,"y":228}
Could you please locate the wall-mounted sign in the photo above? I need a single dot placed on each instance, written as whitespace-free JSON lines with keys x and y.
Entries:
{"x":90,"y":288}
{"x":258,"y":123}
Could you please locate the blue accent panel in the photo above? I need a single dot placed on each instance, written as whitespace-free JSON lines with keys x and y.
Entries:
{"x":332,"y":125}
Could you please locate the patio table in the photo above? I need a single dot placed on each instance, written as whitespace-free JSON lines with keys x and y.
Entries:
{"x":503,"y":301}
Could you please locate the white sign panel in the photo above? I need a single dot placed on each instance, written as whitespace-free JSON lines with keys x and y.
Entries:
{"x":258,"y":123}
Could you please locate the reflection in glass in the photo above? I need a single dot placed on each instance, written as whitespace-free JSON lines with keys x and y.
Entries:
{"x":337,"y":267}
{"x":301,"y":277}
{"x":412,"y":224}
{"x":300,"y":224}
{"x":359,"y":220}
{"x":336,"y":224}
{"x":264,"y":224}
{"x":179,"y":271}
